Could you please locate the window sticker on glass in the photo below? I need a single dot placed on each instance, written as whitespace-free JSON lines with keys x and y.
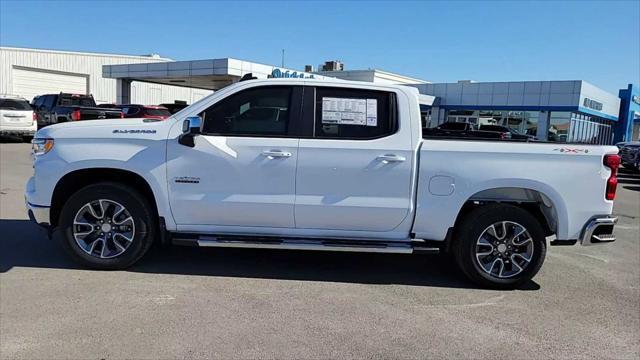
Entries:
{"x":372,"y":112}
{"x":346,"y":111}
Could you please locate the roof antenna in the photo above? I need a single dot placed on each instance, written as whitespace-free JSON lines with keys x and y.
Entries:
{"x":282,"y":58}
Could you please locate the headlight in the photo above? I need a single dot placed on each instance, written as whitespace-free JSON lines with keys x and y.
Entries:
{"x":41,"y":146}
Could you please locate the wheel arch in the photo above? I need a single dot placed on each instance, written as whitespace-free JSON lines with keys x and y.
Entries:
{"x":544,"y":206}
{"x":77,"y":179}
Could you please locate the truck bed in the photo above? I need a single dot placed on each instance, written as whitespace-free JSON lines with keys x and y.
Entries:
{"x":570,"y":180}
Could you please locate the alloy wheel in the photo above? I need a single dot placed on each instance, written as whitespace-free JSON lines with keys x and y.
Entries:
{"x":504,"y":249}
{"x":103,"y":228}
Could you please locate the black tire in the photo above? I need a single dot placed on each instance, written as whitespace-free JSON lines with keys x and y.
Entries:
{"x":138,"y":207}
{"x":473,"y":226}
{"x":27,"y":139}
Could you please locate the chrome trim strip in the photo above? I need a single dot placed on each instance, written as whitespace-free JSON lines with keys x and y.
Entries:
{"x":587,"y":234}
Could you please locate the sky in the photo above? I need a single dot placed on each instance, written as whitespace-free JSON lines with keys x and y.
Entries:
{"x":596,"y":41}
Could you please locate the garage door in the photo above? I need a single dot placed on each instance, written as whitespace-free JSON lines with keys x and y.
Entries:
{"x":30,"y":83}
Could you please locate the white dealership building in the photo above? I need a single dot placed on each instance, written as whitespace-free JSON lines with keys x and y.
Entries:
{"x":31,"y":72}
{"x":142,"y":79}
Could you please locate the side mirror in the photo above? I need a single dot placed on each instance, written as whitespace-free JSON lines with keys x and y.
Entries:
{"x":191,"y":127}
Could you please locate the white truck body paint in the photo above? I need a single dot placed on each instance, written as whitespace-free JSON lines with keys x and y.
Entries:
{"x":326,"y":188}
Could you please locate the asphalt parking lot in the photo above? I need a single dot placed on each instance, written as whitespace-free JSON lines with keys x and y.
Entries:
{"x":189,"y":302}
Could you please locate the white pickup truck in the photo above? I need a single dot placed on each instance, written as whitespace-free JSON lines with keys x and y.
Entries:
{"x":317,"y":165}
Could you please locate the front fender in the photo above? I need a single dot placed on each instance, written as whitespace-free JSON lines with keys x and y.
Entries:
{"x":145,"y":158}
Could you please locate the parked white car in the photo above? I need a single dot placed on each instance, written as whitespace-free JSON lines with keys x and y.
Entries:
{"x":339,"y":166}
{"x":16,"y":117}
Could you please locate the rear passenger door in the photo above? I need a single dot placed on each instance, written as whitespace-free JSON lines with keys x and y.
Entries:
{"x":354,"y":171}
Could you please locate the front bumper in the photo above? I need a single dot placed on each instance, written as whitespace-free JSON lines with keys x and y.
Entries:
{"x":598,"y":231}
{"x":22,"y":130}
{"x":38,"y":214}
{"x":18,"y":132}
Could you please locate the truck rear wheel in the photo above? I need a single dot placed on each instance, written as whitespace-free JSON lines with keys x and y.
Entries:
{"x":107,"y":226}
{"x":499,"y":246}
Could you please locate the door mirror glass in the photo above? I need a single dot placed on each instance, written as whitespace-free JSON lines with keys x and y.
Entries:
{"x":192,"y":125}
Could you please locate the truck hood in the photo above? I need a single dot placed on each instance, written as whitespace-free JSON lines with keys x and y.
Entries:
{"x":114,"y":128}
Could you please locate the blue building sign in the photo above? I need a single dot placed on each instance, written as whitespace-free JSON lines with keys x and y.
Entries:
{"x":628,"y":127}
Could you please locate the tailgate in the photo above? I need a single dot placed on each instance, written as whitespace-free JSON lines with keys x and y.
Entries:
{"x":16,"y":118}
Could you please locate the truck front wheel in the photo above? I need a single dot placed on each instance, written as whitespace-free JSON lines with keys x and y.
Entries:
{"x":107,"y":226}
{"x":499,"y":246}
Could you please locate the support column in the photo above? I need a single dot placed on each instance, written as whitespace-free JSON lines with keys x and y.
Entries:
{"x":544,"y":117}
{"x":123,"y":91}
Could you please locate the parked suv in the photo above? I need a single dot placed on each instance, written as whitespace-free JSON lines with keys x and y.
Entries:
{"x":17,"y":117}
{"x":63,"y":107}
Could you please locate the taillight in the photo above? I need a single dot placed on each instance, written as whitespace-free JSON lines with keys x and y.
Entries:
{"x":75,"y":115}
{"x":121,"y":115}
{"x":34,"y":118}
{"x":612,"y":161}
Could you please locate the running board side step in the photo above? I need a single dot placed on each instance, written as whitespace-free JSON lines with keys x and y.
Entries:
{"x":371,"y":246}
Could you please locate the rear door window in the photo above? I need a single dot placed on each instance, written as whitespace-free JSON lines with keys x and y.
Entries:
{"x":355,"y":114}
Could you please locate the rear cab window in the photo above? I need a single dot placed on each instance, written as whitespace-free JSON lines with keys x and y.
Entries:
{"x":76,"y":100}
{"x":356,"y":114}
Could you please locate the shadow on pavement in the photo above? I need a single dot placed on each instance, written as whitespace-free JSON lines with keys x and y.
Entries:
{"x":24,"y":244}
{"x":10,"y":139}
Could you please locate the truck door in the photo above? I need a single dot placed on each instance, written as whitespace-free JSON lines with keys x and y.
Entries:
{"x":355,"y":171}
{"x":242,"y":169}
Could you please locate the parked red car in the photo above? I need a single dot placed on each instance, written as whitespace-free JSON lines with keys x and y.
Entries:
{"x":142,"y":111}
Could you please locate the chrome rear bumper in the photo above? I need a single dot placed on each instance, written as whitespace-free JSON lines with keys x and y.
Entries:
{"x":599,"y":230}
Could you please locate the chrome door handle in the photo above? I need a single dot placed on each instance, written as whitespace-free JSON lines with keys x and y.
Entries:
{"x":389,"y":158}
{"x":272,"y":154}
